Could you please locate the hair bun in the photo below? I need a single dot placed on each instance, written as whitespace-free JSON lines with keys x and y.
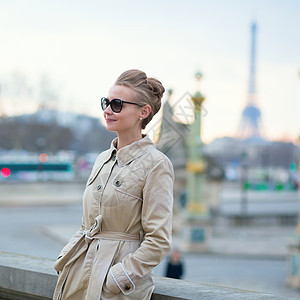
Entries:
{"x":156,"y":87}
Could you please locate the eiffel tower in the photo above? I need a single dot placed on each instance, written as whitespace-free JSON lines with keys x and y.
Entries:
{"x":250,"y":125}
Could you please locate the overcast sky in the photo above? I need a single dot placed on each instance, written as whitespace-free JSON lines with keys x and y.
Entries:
{"x":78,"y":48}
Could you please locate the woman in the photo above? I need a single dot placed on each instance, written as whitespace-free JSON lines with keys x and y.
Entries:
{"x":127,"y":204}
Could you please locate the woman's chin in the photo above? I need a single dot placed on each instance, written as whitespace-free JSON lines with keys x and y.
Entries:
{"x":110,"y":127}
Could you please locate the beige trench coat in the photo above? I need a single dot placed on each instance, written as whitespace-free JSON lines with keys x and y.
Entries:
{"x":126,"y":226}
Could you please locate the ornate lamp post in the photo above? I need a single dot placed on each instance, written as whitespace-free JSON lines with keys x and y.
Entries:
{"x":196,"y":214}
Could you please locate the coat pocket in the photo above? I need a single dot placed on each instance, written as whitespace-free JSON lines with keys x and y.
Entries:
{"x":128,"y":187}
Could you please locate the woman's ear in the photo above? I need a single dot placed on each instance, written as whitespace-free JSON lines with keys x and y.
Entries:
{"x":145,"y":111}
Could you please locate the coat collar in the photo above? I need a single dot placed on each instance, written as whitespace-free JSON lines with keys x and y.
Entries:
{"x":132,"y":151}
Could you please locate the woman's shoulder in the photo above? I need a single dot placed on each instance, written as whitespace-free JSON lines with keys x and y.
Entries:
{"x":156,"y":157}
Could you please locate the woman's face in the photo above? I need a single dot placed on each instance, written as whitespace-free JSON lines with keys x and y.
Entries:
{"x":129,"y":118}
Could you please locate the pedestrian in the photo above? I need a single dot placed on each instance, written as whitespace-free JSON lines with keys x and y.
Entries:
{"x":127,"y":204}
{"x":175,"y":268}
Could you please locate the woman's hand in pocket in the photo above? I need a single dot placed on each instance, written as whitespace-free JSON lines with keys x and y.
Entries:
{"x":111,"y":284}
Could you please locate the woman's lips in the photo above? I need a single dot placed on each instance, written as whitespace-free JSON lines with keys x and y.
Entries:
{"x":109,"y":120}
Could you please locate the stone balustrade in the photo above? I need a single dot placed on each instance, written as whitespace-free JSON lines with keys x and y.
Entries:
{"x":25,"y":277}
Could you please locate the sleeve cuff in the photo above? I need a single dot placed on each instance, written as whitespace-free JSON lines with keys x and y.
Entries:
{"x":121,"y":279}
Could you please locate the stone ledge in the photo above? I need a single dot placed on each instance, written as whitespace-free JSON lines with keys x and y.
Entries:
{"x":26,"y":277}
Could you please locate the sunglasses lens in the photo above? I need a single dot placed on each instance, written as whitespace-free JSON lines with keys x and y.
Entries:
{"x":104,"y":103}
{"x":116,"y":105}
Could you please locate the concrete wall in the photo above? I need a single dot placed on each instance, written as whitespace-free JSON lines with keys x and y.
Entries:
{"x":26,"y":277}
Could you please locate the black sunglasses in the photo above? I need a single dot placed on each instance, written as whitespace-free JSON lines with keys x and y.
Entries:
{"x":115,"y":104}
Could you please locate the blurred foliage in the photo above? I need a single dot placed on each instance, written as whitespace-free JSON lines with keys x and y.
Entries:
{"x":32,"y":134}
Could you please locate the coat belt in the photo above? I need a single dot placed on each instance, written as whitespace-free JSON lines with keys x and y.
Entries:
{"x":113,"y":235}
{"x":81,"y":246}
{"x":88,"y":236}
{"x":96,"y":233}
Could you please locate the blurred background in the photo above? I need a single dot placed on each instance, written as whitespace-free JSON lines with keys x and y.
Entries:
{"x":229,"y":123}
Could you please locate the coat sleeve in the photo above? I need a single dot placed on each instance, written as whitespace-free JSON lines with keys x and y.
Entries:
{"x":156,"y":220}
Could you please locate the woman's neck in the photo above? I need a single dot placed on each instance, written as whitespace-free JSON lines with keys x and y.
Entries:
{"x":127,"y":139}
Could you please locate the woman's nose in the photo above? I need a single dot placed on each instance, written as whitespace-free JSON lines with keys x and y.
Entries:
{"x":107,"y":111}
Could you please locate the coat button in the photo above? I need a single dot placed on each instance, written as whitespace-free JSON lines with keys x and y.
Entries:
{"x":127,"y":287}
{"x":118,"y":183}
{"x":99,"y":187}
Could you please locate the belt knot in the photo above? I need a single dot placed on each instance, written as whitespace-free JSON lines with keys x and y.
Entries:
{"x":89,"y":234}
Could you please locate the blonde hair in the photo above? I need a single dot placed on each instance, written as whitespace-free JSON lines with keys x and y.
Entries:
{"x":148,"y":90}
